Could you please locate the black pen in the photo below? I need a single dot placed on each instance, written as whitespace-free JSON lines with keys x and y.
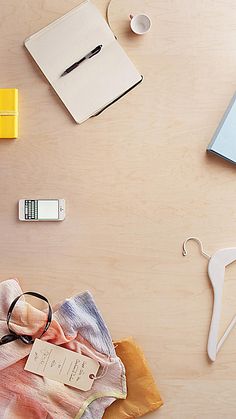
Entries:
{"x":86,"y":57}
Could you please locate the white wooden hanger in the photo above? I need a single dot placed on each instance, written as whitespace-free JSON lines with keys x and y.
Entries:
{"x":216,"y":271}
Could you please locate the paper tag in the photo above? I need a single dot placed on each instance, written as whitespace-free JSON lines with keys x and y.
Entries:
{"x":63,"y":365}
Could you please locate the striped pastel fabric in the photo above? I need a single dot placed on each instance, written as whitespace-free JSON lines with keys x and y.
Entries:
{"x":77,"y":325}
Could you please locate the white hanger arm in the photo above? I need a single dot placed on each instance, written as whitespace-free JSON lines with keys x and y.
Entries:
{"x":226,"y":333}
{"x":216,"y":271}
{"x":215,"y":321}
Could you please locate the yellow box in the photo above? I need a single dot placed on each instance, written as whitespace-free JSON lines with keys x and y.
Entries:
{"x":8,"y":113}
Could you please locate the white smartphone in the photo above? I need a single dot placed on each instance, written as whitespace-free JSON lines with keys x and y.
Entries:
{"x":41,"y":209}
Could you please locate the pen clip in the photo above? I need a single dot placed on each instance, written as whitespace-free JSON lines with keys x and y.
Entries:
{"x":86,"y":57}
{"x":94,"y":51}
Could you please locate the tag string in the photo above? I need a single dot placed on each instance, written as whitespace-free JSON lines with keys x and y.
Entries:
{"x":97,"y":377}
{"x":27,"y":339}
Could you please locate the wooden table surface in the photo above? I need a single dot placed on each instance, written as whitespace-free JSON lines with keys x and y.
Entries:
{"x":137,"y":181}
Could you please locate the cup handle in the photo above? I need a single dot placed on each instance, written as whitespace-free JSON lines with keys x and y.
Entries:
{"x":131,"y":17}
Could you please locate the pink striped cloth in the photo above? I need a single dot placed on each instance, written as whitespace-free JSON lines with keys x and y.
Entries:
{"x":77,"y":325}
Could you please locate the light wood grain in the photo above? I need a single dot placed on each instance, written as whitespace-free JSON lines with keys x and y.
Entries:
{"x":137,"y":182}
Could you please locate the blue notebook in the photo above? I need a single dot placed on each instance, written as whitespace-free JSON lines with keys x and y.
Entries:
{"x":224,"y":140}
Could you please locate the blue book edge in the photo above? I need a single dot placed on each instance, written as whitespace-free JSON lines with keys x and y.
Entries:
{"x":210,"y":146}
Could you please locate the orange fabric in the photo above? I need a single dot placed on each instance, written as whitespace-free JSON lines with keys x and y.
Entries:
{"x":143,"y":395}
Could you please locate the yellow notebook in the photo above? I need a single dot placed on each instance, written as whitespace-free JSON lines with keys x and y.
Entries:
{"x":8,"y":113}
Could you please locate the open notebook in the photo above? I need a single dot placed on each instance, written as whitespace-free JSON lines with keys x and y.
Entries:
{"x":98,"y":81}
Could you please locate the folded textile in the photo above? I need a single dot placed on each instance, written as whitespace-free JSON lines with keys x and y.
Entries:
{"x":77,"y":325}
{"x":143,"y":396}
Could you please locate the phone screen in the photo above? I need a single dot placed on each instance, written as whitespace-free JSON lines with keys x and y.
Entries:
{"x":48,"y":209}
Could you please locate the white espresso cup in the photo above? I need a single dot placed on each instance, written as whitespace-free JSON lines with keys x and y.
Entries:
{"x":140,"y":24}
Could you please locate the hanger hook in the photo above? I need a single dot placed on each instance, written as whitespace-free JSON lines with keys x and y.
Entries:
{"x":200,"y":244}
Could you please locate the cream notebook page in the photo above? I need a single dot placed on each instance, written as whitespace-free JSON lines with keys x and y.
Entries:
{"x":97,"y":81}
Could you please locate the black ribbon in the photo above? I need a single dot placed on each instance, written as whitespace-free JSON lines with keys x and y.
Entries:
{"x":27,"y":339}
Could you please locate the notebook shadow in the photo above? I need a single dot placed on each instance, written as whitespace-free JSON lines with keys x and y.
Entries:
{"x":212,"y":159}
